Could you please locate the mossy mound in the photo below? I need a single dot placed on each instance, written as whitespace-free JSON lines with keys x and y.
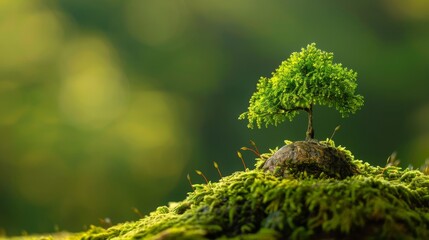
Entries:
{"x":313,"y":157}
{"x":377,"y":203}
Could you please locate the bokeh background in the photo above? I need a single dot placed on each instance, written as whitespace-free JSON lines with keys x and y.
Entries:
{"x":106,"y":106}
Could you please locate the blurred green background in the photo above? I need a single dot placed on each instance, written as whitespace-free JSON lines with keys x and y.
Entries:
{"x":108,"y":105}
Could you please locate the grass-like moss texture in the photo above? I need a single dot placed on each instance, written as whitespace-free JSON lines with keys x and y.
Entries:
{"x":378,"y":203}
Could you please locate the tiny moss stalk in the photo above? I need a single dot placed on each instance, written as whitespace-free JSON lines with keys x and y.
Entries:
{"x":202,"y":175}
{"x":256,"y":148}
{"x":217,"y":168}
{"x":190,"y":182}
{"x":137,"y":211}
{"x":242,"y":160}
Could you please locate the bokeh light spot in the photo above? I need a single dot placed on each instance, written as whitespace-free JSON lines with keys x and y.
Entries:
{"x":93,"y":88}
{"x":30,"y":33}
{"x":150,"y":130}
{"x":411,"y":9}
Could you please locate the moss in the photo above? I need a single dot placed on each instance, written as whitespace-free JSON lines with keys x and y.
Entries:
{"x":377,"y":203}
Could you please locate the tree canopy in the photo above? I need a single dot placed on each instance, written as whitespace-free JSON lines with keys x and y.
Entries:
{"x":306,"y":78}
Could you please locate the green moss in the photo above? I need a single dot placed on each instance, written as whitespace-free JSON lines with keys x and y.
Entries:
{"x":377,"y":203}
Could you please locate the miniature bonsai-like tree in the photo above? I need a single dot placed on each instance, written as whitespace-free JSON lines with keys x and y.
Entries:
{"x":305,"y":79}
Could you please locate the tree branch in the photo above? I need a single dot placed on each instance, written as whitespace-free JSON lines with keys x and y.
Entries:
{"x":295,"y":109}
{"x":285,"y":111}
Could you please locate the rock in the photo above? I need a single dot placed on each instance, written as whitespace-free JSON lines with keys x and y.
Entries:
{"x":312,"y":157}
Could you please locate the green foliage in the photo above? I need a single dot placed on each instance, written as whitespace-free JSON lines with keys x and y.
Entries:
{"x":306,"y":78}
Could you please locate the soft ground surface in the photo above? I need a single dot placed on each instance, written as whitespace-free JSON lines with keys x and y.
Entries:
{"x":378,"y":203}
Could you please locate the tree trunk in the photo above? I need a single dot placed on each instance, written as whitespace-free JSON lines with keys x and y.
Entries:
{"x":310,"y":130}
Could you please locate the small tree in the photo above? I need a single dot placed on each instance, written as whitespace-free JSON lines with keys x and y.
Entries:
{"x":305,"y":79}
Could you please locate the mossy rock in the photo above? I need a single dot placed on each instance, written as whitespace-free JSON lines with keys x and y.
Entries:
{"x":313,"y":157}
{"x":376,"y":203}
